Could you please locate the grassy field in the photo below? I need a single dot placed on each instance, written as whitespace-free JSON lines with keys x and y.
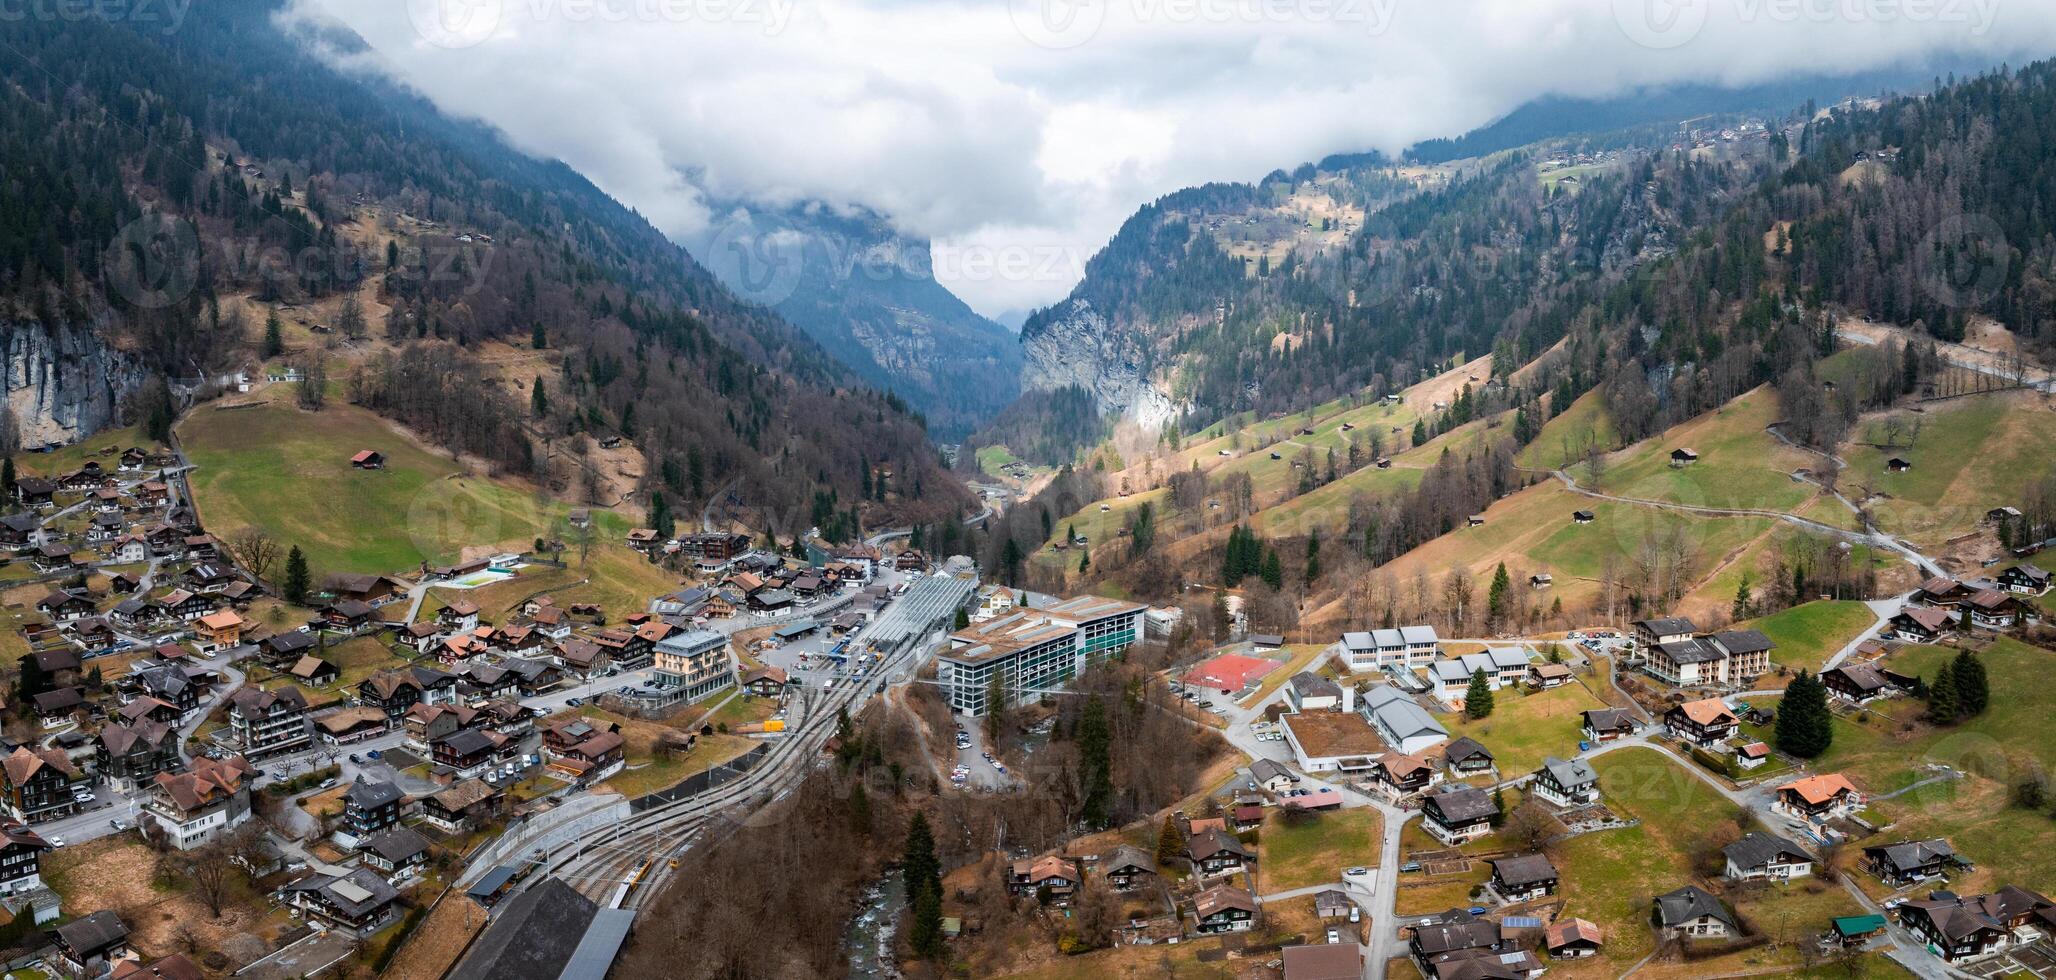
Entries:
{"x":288,"y":472}
{"x":1293,"y":856}
{"x":1739,"y":465}
{"x":1565,"y":438}
{"x":615,"y":576}
{"x":1525,"y":727}
{"x":1969,"y":456}
{"x":68,"y":459}
{"x":1809,"y":633}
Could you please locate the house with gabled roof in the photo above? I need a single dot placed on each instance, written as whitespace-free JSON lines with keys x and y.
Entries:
{"x":1705,"y":723}
{"x":1607,"y":724}
{"x":1819,"y":797}
{"x":209,"y":797}
{"x":1572,"y":783}
{"x":1224,"y":908}
{"x":1966,"y":929}
{"x":1909,"y":861}
{"x":1761,"y":856}
{"x":1693,"y":912}
{"x":1458,"y":814}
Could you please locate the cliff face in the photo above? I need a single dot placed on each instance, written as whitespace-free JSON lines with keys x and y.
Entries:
{"x":1079,"y":346}
{"x":64,"y":384}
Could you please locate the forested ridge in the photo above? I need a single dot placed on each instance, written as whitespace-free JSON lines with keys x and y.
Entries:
{"x":233,"y":129}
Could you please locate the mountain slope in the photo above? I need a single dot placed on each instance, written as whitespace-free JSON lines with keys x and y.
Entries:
{"x":867,"y":294}
{"x":242,"y":165}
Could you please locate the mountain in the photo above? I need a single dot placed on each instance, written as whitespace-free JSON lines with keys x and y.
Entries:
{"x":867,"y":295}
{"x":166,"y":187}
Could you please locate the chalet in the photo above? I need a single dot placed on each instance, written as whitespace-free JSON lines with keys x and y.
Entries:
{"x":561,"y":734}
{"x":1127,"y":866}
{"x":1384,"y":462}
{"x":468,"y":805}
{"x":460,"y":616}
{"x":427,"y":724}
{"x":357,"y":901}
{"x":510,"y":718}
{"x":182,"y":606}
{"x":1855,"y":683}
{"x":1818,"y":798}
{"x":370,"y":808}
{"x":1052,"y":879}
{"x":766,"y":681}
{"x":66,"y":605}
{"x":1455,"y":944}
{"x":266,"y":722}
{"x":481,"y":680}
{"x":55,"y":662}
{"x":1566,"y":784}
{"x":152,"y":493}
{"x":396,"y":853}
{"x":59,"y":707}
{"x":1906,"y":862}
{"x":1607,"y":724}
{"x":469,"y":751}
{"x":279,"y":649}
{"x":35,"y":491}
{"x":201,"y":547}
{"x":1692,"y":912}
{"x":515,"y":640}
{"x":1524,"y":877}
{"x":351,"y":725}
{"x":581,"y":657}
{"x":1569,"y":939}
{"x":1583,"y":517}
{"x":1765,"y":857}
{"x":1467,"y":757}
{"x":532,"y":677}
{"x":645,"y":540}
{"x":85,"y":479}
{"x":713,"y":547}
{"x":454,"y":650}
{"x":18,"y":531}
{"x":1247,"y":817}
{"x":1224,"y":909}
{"x":52,"y":557}
{"x":1457,"y":815}
{"x":165,"y":541}
{"x":129,"y":548}
{"x":1402,"y":775}
{"x":1995,"y":611}
{"x":1751,"y":755}
{"x":1966,"y":929}
{"x":363,"y":588}
{"x":169,"y":682}
{"x":1917,"y":624}
{"x":1705,"y":723}
{"x":104,"y":528}
{"x":2024,"y":579}
{"x":21,"y":858}
{"x":1942,"y":592}
{"x":345,"y":615}
{"x":368,"y":459}
{"x":1212,"y":852}
{"x":38,"y":784}
{"x":422,"y":636}
{"x":1684,"y":457}
{"x":124,"y":583}
{"x":127,"y":754}
{"x":1545,"y":676}
{"x":770,"y":600}
{"x":314,"y":671}
{"x":219,"y":630}
{"x":91,"y":946}
{"x":596,"y":757}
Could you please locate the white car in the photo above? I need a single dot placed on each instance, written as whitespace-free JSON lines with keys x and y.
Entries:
{"x":1357,"y":872}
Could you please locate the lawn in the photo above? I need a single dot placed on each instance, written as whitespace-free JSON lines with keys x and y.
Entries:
{"x":1740,"y":465}
{"x":1295,"y":855}
{"x":1525,"y":727}
{"x":615,"y":576}
{"x":287,"y":471}
{"x":1809,"y":633}
{"x":1969,"y":455}
{"x":1565,"y":438}
{"x":68,"y":459}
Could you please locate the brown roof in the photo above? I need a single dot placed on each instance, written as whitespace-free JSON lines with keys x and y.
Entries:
{"x":1707,"y":711}
{"x":25,"y":762}
{"x":173,"y":967}
{"x":465,"y":794}
{"x":1566,"y":931}
{"x":205,"y":781}
{"x":1930,"y":619}
{"x":348,"y":718}
{"x":306,"y":667}
{"x":1222,"y":897}
{"x":1816,"y":790}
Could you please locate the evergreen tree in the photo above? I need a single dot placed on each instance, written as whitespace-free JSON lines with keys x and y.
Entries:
{"x":1010,"y":562}
{"x":1973,"y":690}
{"x":922,"y":873}
{"x":995,"y":707}
{"x":1143,"y":531}
{"x":1499,"y":600}
{"x":1498,"y":806}
{"x":1942,"y":706}
{"x":1477,"y":702}
{"x":274,"y":335}
{"x":1273,"y":571}
{"x":1740,"y":610}
{"x":1084,"y":561}
{"x":1170,"y":842}
{"x":537,"y":338}
{"x":1420,"y":433}
{"x":661,"y":520}
{"x":963,"y":620}
{"x":1804,"y":727}
{"x":1313,"y":557}
{"x":7,"y":475}
{"x":296,"y":582}
{"x":538,"y":400}
{"x":1094,"y":743}
{"x":924,"y":933}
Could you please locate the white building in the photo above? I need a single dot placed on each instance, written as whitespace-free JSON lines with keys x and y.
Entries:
{"x":1406,"y":646}
{"x":1404,"y":724}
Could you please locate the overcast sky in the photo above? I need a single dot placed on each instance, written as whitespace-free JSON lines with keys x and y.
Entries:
{"x":1018,"y":135}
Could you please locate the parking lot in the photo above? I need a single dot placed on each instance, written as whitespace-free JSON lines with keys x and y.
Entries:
{"x":977,"y":773}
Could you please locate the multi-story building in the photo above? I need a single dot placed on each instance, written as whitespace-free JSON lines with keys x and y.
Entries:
{"x":42,"y":784}
{"x":21,"y":858}
{"x":1729,"y":657}
{"x":195,"y":806}
{"x":693,"y":665}
{"x":1032,"y":651}
{"x":268,"y":722}
{"x":1401,"y":647}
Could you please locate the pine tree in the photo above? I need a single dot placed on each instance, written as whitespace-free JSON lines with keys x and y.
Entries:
{"x":1420,"y":433}
{"x":995,"y":707}
{"x":1498,"y":806}
{"x":1942,"y":706}
{"x":1084,"y":561}
{"x":7,"y":475}
{"x":537,"y":338}
{"x":1477,"y":702}
{"x":661,"y":520}
{"x":1973,"y":689}
{"x":1804,"y":727}
{"x":538,"y":400}
{"x":922,"y":873}
{"x":1094,"y":743}
{"x":1499,"y":600}
{"x":1273,"y":572}
{"x":296,"y":582}
{"x":963,"y":620}
{"x":274,"y":335}
{"x":1740,"y":610}
{"x":1170,"y":842}
{"x":1313,"y":557}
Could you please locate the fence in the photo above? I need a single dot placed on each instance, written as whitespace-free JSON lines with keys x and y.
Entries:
{"x":701,"y":782}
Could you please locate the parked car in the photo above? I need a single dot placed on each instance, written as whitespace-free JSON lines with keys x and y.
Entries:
{"x":1410,"y":866}
{"x":118,"y":824}
{"x":1356,"y":872}
{"x":1334,"y":935}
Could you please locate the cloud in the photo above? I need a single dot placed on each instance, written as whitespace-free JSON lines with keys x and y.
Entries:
{"x":1018,"y":134}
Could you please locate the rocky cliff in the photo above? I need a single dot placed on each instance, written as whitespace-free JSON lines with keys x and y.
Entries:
{"x":64,"y":384}
{"x":1076,"y":345}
